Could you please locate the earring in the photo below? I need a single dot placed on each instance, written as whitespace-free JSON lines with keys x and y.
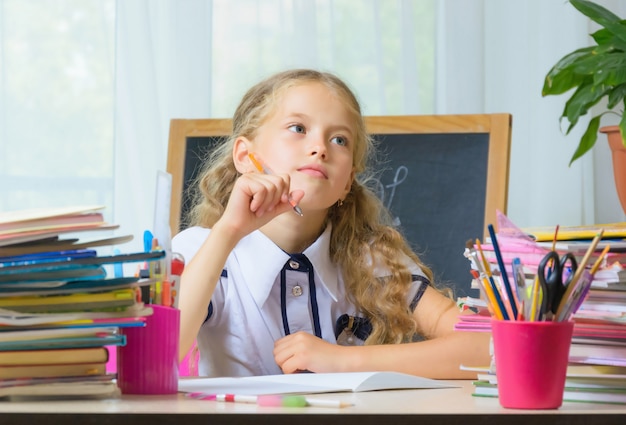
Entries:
{"x":340,"y":202}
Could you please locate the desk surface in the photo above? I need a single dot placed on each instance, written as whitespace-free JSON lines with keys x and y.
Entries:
{"x":434,"y":406}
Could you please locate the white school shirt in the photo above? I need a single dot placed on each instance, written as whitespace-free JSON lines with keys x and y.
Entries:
{"x":265,"y":294}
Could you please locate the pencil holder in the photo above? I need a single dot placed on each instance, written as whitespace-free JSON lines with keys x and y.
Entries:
{"x":148,"y":363}
{"x":531,"y":362}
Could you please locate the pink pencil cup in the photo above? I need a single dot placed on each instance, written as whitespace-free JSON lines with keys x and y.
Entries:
{"x":531,"y":362}
{"x":148,"y":363}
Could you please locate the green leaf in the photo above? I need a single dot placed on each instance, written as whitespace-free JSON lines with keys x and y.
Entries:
{"x":588,"y":139}
{"x":616,"y":95}
{"x":561,"y":77}
{"x":611,"y":71}
{"x":590,"y":64}
{"x":561,"y":82}
{"x":605,"y":37}
{"x":602,"y":36}
{"x":583,"y":98}
{"x":602,"y":16}
{"x":594,"y":11}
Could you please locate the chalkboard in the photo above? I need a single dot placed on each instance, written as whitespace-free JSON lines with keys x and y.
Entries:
{"x":442,"y":177}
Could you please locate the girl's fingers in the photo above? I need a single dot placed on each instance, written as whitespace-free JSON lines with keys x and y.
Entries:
{"x":267,"y":193}
{"x":263,"y":198}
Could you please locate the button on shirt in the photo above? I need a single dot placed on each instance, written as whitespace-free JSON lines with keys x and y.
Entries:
{"x":263,"y":295}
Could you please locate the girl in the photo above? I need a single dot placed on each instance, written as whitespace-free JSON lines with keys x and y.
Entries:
{"x":336,"y":289}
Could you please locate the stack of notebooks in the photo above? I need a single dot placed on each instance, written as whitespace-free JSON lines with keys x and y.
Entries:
{"x":598,"y":352}
{"x":59,"y":306}
{"x":588,"y":384}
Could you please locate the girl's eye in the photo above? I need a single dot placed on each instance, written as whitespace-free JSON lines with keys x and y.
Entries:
{"x":297,"y":128}
{"x":341,"y":141}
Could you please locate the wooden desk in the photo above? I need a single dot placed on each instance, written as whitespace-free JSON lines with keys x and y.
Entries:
{"x":414,"y":407}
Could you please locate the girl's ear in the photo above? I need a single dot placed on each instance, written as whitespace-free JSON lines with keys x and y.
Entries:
{"x":240,"y":155}
{"x":349,"y":183}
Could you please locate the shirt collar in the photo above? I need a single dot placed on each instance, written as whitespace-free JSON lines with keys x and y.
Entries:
{"x":261,"y":260}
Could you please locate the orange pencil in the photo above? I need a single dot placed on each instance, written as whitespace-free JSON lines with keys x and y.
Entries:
{"x":492,"y":284}
{"x":482,"y":257}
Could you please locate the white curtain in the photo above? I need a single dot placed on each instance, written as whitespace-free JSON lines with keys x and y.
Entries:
{"x":492,"y":56}
{"x":196,"y":58}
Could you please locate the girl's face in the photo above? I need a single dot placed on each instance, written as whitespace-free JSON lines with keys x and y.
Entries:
{"x":310,"y":136}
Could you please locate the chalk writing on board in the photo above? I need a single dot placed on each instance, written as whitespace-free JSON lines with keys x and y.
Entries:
{"x":382,"y":189}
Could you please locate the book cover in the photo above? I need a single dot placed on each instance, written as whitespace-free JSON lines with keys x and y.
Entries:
{"x":77,"y":261}
{"x":14,"y":318}
{"x":72,"y":286}
{"x":54,"y":332}
{"x":46,"y":257}
{"x":52,"y":223}
{"x":581,"y":246}
{"x":62,"y":356}
{"x":55,"y":244}
{"x":49,"y":370}
{"x":61,"y":390}
{"x":38,"y":235}
{"x":81,"y":341}
{"x":598,"y":351}
{"x":546,"y":233}
{"x":70,"y":302}
{"x":17,"y":216}
{"x":615,"y":395}
{"x":84,"y":272}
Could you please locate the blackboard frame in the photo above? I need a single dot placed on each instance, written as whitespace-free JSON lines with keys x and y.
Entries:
{"x":494,"y":129}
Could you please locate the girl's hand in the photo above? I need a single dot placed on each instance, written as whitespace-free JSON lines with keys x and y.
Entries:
{"x":302,"y":351}
{"x":256,"y":199}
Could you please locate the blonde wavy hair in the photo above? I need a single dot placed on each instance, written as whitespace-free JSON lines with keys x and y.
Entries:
{"x":362,"y":234}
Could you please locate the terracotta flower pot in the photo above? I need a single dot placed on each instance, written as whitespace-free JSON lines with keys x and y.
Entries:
{"x":619,"y":161}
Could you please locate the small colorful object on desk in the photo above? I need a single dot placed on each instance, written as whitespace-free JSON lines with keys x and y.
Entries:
{"x":271,"y":400}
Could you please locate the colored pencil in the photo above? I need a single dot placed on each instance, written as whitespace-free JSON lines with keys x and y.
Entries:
{"x":492,"y":283}
{"x":503,"y":273}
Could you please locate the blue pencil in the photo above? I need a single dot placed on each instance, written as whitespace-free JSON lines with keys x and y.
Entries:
{"x":505,"y":277}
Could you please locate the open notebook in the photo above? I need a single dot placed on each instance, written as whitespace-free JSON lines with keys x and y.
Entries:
{"x":309,"y":383}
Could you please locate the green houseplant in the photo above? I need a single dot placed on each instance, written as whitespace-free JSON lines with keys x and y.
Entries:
{"x":595,"y":73}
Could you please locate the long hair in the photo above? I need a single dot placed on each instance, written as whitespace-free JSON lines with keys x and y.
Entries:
{"x":362,"y":235}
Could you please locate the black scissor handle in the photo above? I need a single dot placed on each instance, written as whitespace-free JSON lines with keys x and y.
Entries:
{"x":568,"y":260}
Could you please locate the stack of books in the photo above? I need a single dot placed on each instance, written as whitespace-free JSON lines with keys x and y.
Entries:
{"x":59,"y":306}
{"x":598,"y":350}
{"x":587,"y":384}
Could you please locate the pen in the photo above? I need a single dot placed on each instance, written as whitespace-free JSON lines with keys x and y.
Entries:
{"x":272,"y":400}
{"x":503,"y":273}
{"x":520,"y":281}
{"x":264,"y":169}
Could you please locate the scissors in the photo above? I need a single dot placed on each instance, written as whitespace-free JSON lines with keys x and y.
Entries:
{"x":554,"y":275}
